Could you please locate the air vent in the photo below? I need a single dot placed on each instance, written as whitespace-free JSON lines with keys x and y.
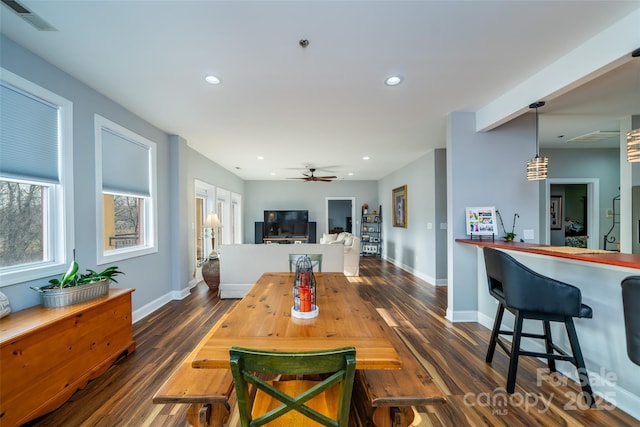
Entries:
{"x":37,"y":22}
{"x":599,"y":135}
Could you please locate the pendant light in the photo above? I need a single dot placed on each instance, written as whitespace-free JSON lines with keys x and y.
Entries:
{"x":538,"y":166}
{"x":633,"y":146}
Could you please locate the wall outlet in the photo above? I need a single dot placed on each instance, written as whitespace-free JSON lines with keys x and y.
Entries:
{"x":443,"y":226}
{"x":528,"y":234}
{"x":609,"y":213}
{"x":429,"y":226}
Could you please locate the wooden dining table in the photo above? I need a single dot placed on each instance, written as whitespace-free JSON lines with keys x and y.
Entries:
{"x":262,"y":320}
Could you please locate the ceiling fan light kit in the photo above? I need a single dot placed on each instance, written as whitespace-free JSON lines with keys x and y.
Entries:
{"x":537,"y":167}
{"x":310,"y":177}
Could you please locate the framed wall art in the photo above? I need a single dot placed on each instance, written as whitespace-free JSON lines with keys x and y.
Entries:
{"x":481,"y":221}
{"x":399,"y":203}
{"x":555,"y":212}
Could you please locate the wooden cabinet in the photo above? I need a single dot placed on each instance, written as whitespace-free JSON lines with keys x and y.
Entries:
{"x":46,"y":354}
{"x":371,"y":232}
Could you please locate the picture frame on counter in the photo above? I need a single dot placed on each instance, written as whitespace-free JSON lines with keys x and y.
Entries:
{"x":481,"y":221}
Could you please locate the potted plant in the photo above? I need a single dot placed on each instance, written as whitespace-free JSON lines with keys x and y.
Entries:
{"x":74,"y":287}
{"x":508,"y":236}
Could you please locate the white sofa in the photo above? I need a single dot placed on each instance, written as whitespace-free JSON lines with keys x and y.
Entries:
{"x":242,"y":265}
{"x":351,"y":248}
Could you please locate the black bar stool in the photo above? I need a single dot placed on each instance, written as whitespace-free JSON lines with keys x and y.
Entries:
{"x":530,"y":295}
{"x":631,"y":307}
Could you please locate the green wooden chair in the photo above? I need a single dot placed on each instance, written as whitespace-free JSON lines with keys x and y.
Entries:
{"x":316,"y":261}
{"x":293,"y":402}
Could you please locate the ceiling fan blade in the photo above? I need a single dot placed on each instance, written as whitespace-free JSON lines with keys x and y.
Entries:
{"x":323,"y":180}
{"x":327,"y":177}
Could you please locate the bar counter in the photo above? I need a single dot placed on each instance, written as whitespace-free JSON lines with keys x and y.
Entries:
{"x":589,"y":255}
{"x":598,"y":275}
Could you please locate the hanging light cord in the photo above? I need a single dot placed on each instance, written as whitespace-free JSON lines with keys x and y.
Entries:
{"x":537,"y":105}
{"x":537,"y":167}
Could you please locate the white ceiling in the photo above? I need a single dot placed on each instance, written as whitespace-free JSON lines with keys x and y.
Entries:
{"x":326,"y":105}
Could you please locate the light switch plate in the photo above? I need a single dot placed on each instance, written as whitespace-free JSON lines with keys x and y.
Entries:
{"x":528,"y":234}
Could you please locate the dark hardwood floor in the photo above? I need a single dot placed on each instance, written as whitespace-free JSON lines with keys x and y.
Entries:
{"x":452,"y":353}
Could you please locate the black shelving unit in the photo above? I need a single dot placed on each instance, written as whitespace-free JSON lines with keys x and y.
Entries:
{"x":371,"y":232}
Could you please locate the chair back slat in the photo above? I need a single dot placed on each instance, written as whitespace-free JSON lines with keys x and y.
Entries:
{"x":336,"y":367}
{"x":316,"y":261}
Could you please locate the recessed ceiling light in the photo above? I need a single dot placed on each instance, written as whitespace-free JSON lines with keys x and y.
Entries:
{"x":273,"y":174}
{"x":211,"y":79}
{"x":393,"y":80}
{"x":260,"y":158}
{"x":366,"y":158}
{"x":350,"y":174}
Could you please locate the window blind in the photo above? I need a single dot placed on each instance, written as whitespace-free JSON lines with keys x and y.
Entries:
{"x":125,"y":165}
{"x":29,"y":146}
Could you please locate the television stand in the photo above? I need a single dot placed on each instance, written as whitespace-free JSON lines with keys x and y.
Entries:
{"x":301,"y":239}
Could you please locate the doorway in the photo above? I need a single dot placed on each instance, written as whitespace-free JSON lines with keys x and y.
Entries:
{"x":340,"y":212}
{"x":571,"y":228}
{"x":578,"y":223}
{"x":204,"y":203}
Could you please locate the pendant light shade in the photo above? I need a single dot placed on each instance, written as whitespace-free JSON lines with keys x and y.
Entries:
{"x":633,"y":146}
{"x":537,"y":168}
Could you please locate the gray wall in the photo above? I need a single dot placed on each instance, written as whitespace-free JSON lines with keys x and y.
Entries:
{"x":441,"y":215}
{"x":156,"y":277}
{"x":282,"y":195}
{"x":603,"y":164}
{"x":418,"y":247}
{"x":203,"y":169}
{"x":151,"y":274}
{"x":485,"y":169}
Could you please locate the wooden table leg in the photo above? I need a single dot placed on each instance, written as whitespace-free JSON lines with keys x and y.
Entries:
{"x":207,"y":414}
{"x":393,"y":416}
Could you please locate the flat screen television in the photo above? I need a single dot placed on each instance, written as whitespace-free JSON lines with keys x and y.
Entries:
{"x":286,"y":223}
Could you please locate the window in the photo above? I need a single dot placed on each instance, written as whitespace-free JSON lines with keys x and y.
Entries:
{"x":126,"y":180}
{"x":36,"y":173}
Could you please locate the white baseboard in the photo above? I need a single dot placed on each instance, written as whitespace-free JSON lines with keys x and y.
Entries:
{"x":234,"y":290}
{"x":485,"y":320}
{"x":430,"y":280}
{"x":194,"y":282}
{"x":461,"y":316}
{"x":147,"y":309}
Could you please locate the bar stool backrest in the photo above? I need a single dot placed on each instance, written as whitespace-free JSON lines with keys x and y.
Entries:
{"x":525,"y":289}
{"x":631,"y":306}
{"x":493,"y":266}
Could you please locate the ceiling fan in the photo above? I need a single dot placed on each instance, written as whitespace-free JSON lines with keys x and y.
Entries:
{"x":311,"y":177}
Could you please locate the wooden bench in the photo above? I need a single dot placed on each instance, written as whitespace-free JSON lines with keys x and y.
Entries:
{"x":385,"y":398}
{"x":207,"y":391}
